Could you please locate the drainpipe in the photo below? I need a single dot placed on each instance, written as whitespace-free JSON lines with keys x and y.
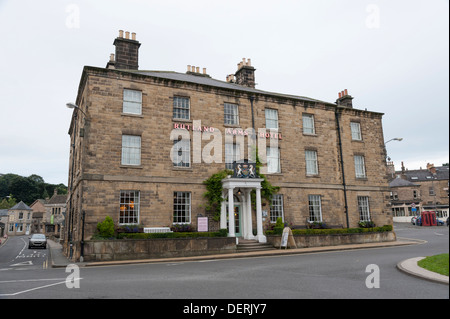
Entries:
{"x":342,"y":165}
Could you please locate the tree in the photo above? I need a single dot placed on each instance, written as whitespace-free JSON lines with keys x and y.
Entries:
{"x":8,"y":202}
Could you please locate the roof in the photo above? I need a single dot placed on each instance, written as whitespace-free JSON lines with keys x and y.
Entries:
{"x":442,"y":173}
{"x":400,"y":182}
{"x":20,"y":206}
{"x":57,"y":199}
{"x":206,"y":80}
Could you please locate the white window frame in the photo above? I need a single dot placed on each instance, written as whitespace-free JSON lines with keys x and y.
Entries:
{"x":185,"y":157}
{"x":273,"y":160}
{"x":271,"y":119}
{"x":182,"y":208}
{"x":132,"y":102}
{"x":308,"y":124}
{"x":312,"y":166}
{"x":131,"y":150}
{"x":231,"y":114}
{"x":364,"y":208}
{"x":129,"y":207}
{"x":360,"y":167}
{"x":315,"y":208}
{"x":232,"y":153}
{"x":181,"y":108}
{"x":355,"y":128}
{"x":276,"y":208}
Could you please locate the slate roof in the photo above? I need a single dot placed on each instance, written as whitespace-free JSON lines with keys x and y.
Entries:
{"x":442,"y":173}
{"x":206,"y":80}
{"x":57,"y":199}
{"x":20,"y":206}
{"x":400,"y":182}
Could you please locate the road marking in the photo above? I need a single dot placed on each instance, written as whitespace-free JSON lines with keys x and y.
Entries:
{"x":28,"y":290}
{"x":25,"y":263}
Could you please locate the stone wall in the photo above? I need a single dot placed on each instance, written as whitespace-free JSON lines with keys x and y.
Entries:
{"x":304,"y":241}
{"x":130,"y":249}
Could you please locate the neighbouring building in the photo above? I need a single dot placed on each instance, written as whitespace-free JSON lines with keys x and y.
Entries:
{"x":38,"y":208}
{"x":415,"y":191}
{"x":143,"y":142}
{"x":49,"y":215}
{"x":19,"y":220}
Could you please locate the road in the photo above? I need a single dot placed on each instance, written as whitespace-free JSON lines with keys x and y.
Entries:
{"x":328,"y":275}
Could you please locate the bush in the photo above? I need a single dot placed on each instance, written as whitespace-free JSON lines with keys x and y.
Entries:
{"x":333,"y":231}
{"x":106,"y":228}
{"x":279,"y":226}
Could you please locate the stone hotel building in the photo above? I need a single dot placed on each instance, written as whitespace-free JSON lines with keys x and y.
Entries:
{"x":143,"y":143}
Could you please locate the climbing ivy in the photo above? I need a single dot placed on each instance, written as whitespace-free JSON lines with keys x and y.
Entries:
{"x":214,"y":190}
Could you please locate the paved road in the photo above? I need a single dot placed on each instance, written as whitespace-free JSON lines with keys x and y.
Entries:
{"x":331,"y":275}
{"x":15,"y":255}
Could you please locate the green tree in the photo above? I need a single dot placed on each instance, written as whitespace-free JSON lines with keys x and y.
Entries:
{"x":8,"y":202}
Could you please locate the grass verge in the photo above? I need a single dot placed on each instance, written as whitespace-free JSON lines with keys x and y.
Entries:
{"x":436,"y":263}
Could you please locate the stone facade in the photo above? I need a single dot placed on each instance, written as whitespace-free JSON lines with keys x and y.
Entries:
{"x":97,"y":174}
{"x":422,"y":189}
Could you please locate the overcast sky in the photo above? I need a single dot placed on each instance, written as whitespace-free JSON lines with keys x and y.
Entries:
{"x":392,"y":56}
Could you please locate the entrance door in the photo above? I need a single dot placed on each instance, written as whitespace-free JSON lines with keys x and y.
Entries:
{"x":237,"y":220}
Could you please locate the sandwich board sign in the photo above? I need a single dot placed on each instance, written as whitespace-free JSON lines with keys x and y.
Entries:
{"x":287,"y":238}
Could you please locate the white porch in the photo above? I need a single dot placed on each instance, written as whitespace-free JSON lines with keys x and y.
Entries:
{"x":231,"y":187}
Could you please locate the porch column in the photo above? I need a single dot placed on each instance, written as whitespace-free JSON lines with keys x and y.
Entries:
{"x":248,"y":216}
{"x":260,"y":234}
{"x":223,"y":213}
{"x":231,"y":228}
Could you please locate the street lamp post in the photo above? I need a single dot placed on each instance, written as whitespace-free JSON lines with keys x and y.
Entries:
{"x":70,"y":228}
{"x":394,"y":139}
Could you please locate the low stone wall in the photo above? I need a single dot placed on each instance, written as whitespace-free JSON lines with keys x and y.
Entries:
{"x":129,"y":249}
{"x":304,"y":241}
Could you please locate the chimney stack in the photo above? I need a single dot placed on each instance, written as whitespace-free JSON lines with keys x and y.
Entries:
{"x":431,"y":168}
{"x":195,"y":70}
{"x":245,"y":75}
{"x":344,"y":99}
{"x":127,"y":52}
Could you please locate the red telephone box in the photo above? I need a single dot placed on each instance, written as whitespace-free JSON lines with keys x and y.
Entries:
{"x":429,"y":219}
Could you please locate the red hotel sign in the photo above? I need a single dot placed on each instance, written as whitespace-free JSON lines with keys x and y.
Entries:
{"x":228,"y":131}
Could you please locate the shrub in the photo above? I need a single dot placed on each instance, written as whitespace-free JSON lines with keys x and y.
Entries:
{"x":279,"y":226}
{"x":106,"y":228}
{"x":333,"y":231}
{"x":221,"y":233}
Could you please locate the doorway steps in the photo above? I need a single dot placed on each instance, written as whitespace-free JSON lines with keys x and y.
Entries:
{"x":249,"y":245}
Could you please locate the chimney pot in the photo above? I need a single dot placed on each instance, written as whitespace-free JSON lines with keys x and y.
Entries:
{"x":188,"y":68}
{"x":133,"y":36}
{"x":346,"y":92}
{"x":111,"y":57}
{"x":127,"y":34}
{"x":340,"y":94}
{"x":204,"y":70}
{"x":120,"y":33}
{"x":197,"y":69}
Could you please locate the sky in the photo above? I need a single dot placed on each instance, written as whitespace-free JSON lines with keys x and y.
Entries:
{"x":392,"y":56}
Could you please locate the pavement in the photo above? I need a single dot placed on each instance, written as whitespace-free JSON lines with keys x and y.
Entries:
{"x":408,"y":266}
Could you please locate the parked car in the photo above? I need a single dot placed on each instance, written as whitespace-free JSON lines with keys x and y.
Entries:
{"x":37,"y":240}
{"x":440,"y":222}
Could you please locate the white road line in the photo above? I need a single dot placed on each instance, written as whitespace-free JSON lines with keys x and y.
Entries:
{"x":41,"y":287}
